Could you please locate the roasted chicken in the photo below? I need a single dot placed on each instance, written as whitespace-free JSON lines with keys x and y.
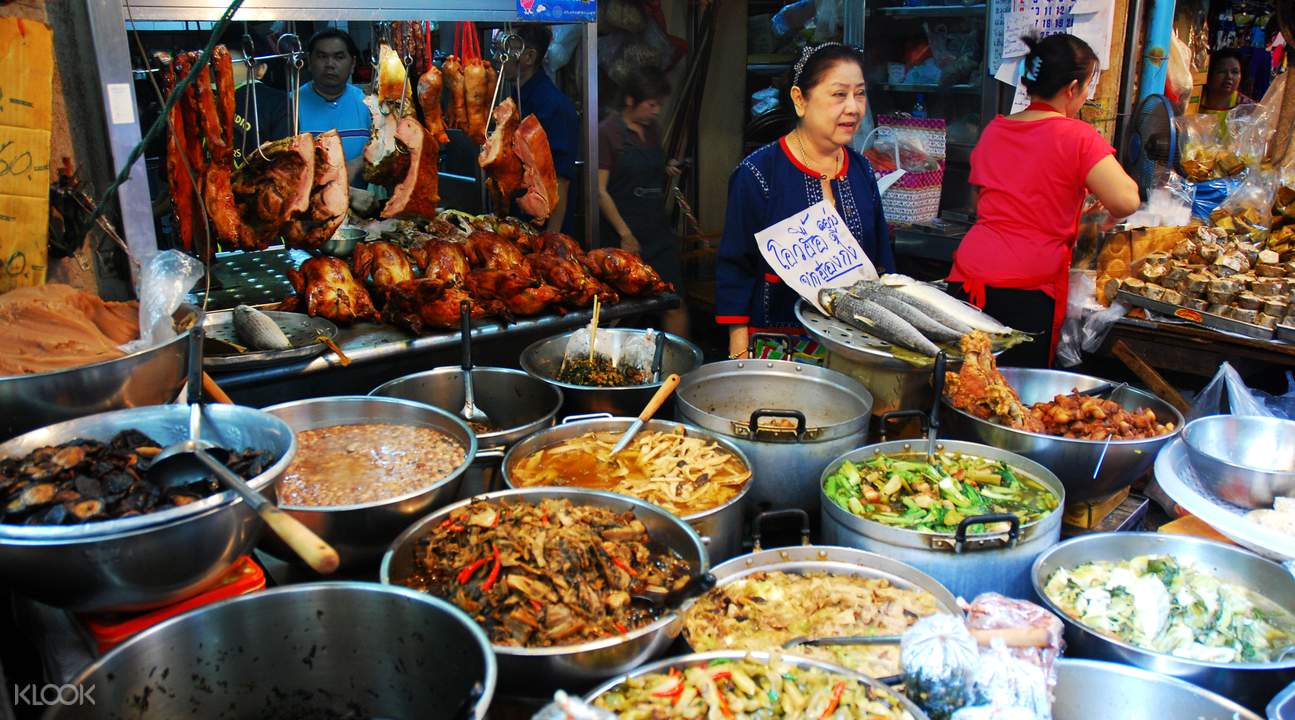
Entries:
{"x":522,"y":295}
{"x":417,"y":193}
{"x":391,"y":76}
{"x":426,"y":304}
{"x":499,"y":159}
{"x":489,"y":251}
{"x":456,"y":108}
{"x":440,"y":261}
{"x":330,"y":196}
{"x":576,"y":287}
{"x":274,"y":187}
{"x":560,"y":244}
{"x":538,"y":175}
{"x":978,"y":387}
{"x":325,"y":288}
{"x":626,"y":272}
{"x":429,"y":99}
{"x":381,"y":265}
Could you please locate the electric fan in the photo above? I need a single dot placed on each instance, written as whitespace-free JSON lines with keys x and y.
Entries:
{"x":1150,"y":149}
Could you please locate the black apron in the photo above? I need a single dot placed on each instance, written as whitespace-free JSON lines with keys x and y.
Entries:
{"x":635,"y":186}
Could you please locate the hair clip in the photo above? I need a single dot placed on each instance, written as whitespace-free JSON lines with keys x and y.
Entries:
{"x":805,"y":54}
{"x":1032,"y":73}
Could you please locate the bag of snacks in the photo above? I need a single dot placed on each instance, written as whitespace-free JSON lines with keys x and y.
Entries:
{"x":1200,"y":139}
{"x":1247,"y":212}
{"x":1248,"y":129}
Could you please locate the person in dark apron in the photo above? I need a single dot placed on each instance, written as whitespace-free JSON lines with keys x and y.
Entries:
{"x":632,"y":173}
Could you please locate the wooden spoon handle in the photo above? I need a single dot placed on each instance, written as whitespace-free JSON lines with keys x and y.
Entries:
{"x":318,"y":554}
{"x":667,"y":386}
{"x":213,"y":390}
{"x":1017,"y":637}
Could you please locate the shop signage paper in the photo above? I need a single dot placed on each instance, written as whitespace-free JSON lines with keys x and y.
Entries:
{"x":26,"y":97}
{"x":557,"y":10}
{"x":814,"y":249}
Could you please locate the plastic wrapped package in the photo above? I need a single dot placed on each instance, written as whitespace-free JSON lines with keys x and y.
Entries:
{"x":1178,"y":74}
{"x":889,"y":149}
{"x":1248,"y":210}
{"x":623,"y":349}
{"x":1227,"y":393}
{"x":1007,"y":688}
{"x":1013,"y":681}
{"x":1208,"y":195}
{"x":939,"y":657}
{"x":1248,"y":128}
{"x":164,"y":280}
{"x":1200,"y":141}
{"x":992,"y":611}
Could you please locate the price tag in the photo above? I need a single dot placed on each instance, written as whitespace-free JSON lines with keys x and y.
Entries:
{"x":26,"y":101}
{"x":814,"y":249}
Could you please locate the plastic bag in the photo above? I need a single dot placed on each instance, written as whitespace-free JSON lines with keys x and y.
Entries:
{"x":793,"y":17}
{"x":1169,"y":205}
{"x":1208,"y":195}
{"x":163,"y":282}
{"x":566,"y":707}
{"x":1282,"y":406}
{"x":956,"y":52}
{"x":1013,"y":682}
{"x":1007,"y":688}
{"x":1248,"y":129}
{"x":889,"y":149}
{"x":622,"y":349}
{"x":992,"y":611}
{"x":827,"y":20}
{"x":1227,"y":393}
{"x":939,"y":656}
{"x":1200,"y":139}
{"x":1178,"y":75}
{"x":1247,"y":211}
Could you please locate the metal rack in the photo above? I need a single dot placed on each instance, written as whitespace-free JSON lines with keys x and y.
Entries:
{"x":113,"y":58}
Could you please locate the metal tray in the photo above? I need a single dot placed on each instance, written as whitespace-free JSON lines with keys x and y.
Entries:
{"x":1214,"y":322}
{"x":300,"y":329}
{"x":1286,"y":333}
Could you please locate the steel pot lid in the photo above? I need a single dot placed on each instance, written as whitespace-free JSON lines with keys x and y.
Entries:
{"x":958,"y":542}
{"x":814,"y":404}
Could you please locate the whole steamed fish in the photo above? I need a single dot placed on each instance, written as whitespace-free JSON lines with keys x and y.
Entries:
{"x":258,"y":331}
{"x":875,"y":320}
{"x":898,"y":303}
{"x":932,"y":299}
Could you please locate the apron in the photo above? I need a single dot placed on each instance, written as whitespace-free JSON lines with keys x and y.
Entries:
{"x":1060,"y":282}
{"x":635,"y":186}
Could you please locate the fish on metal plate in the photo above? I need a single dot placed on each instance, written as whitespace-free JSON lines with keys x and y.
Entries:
{"x":875,"y":320}
{"x":257,"y":329}
{"x":912,"y":312}
{"x":932,"y":295}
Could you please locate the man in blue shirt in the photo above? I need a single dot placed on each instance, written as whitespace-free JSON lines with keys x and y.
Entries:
{"x":554,"y":110}
{"x":330,"y":102}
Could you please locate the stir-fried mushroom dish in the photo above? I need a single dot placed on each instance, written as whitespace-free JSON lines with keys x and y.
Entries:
{"x":549,"y":573}
{"x":86,"y":480}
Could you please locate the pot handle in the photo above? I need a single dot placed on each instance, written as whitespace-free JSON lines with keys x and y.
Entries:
{"x":899,"y":414}
{"x":778,"y":338}
{"x":494,"y":453}
{"x":587,"y":416}
{"x":760,"y":519}
{"x":1013,"y":531}
{"x":796,"y":415}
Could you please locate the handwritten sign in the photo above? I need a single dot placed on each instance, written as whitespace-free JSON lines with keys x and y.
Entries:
{"x":814,"y":249}
{"x":26,"y":75}
{"x":557,"y":10}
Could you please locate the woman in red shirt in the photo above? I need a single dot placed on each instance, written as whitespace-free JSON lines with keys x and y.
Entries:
{"x":1032,"y":171}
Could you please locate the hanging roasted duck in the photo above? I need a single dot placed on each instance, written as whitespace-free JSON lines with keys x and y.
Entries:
{"x":456,"y":106}
{"x":430,"y":87}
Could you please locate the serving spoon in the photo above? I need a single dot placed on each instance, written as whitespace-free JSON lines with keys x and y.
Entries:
{"x":667,"y":386}
{"x":1011,"y":637}
{"x":470,"y":411}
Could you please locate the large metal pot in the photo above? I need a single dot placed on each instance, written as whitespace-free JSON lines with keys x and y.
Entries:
{"x":535,"y":672}
{"x":830,"y":411}
{"x":831,"y":560}
{"x":543,"y":359}
{"x":966,"y":564}
{"x":1074,"y":461}
{"x":720,"y":528}
{"x":1251,"y":684}
{"x":149,"y":560}
{"x":323,"y":650}
{"x":149,"y":377}
{"x":1088,"y":689}
{"x":361,"y":532}
{"x":518,"y":403}
{"x":684,"y":661}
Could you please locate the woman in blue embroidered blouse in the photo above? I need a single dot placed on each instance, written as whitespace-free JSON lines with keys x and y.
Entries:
{"x":783,"y":178}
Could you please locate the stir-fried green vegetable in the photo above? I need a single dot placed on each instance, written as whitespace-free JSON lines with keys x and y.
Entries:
{"x":746,"y":688}
{"x":908,"y":492}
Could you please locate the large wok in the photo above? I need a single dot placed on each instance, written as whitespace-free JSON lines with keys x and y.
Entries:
{"x":535,"y":672}
{"x":1074,"y":461}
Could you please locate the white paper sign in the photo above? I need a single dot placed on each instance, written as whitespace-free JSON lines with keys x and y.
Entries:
{"x":1015,"y":26}
{"x":814,"y":249}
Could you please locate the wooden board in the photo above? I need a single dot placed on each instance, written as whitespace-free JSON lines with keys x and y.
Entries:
{"x":1090,"y":514}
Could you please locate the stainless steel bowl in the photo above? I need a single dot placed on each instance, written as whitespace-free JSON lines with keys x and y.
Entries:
{"x":324,"y":650}
{"x":518,"y":403}
{"x":535,"y":672}
{"x":720,"y":527}
{"x":1251,"y":684}
{"x":543,"y":359}
{"x":1087,"y":689}
{"x":760,"y":657}
{"x":148,"y":377}
{"x":343,"y":242}
{"x":149,"y":560}
{"x":361,"y":532}
{"x":1072,"y":460}
{"x":1248,"y":461}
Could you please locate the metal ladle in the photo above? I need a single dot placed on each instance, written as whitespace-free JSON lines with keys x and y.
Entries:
{"x":470,"y":411}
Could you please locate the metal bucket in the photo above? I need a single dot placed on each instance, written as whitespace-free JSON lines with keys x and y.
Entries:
{"x":543,"y":359}
{"x":720,"y":528}
{"x":517,"y":402}
{"x":830,"y":411}
{"x":966,"y":564}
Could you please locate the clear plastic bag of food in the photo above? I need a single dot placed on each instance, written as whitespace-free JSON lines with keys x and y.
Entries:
{"x":628,"y":356}
{"x":1033,"y":633}
{"x":1227,"y":393}
{"x":889,"y":149}
{"x":163,"y":282}
{"x":1006,"y":687}
{"x":939,"y":658}
{"x":1248,"y":129}
{"x":1200,"y":140}
{"x":1247,"y":212}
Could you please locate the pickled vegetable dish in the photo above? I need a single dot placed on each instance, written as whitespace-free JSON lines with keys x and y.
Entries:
{"x":599,"y":372}
{"x":1170,"y":605}
{"x":905,"y":491}
{"x":750,"y":689}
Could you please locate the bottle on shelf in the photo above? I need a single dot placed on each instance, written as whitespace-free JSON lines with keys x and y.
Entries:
{"x":919,"y":106}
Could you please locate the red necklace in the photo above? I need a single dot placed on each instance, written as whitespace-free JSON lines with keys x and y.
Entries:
{"x":1041,"y":106}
